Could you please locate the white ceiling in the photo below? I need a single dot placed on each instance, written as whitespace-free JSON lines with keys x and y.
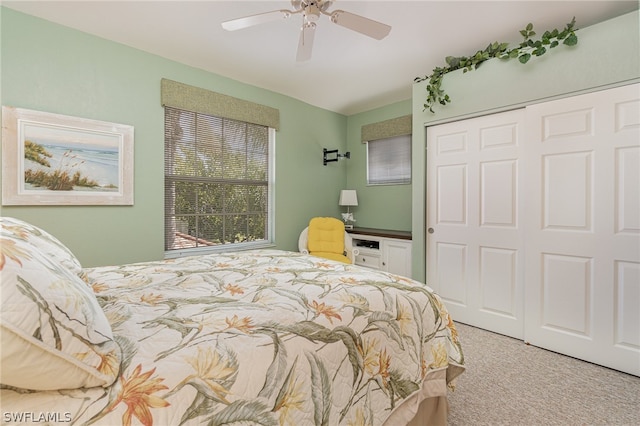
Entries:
{"x":348,"y":72}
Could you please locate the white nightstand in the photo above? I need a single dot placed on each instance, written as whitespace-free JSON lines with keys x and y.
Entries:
{"x":383,"y":249}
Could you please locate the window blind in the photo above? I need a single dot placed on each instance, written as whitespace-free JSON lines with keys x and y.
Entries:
{"x":216,"y":181}
{"x":389,"y":161}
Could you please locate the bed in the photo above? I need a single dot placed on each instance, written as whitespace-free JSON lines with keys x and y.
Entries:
{"x":263,"y":337}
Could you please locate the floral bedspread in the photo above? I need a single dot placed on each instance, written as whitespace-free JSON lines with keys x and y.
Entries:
{"x":266,"y":337}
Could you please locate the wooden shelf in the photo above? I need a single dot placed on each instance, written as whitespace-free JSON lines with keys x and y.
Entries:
{"x":385,"y":233}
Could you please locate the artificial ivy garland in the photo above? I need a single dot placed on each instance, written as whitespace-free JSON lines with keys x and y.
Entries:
{"x":523,"y":52}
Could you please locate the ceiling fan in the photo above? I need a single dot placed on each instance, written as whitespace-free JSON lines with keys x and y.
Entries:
{"x":311,"y":11}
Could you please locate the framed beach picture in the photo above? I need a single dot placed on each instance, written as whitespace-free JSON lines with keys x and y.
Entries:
{"x":52,"y":159}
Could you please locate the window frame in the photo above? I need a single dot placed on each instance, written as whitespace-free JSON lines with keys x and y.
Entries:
{"x":268,"y":242}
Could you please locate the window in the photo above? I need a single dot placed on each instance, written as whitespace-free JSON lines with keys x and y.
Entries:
{"x":389,"y":161}
{"x":218,"y":183}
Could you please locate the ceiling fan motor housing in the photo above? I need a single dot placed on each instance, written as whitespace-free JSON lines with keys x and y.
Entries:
{"x":323,"y":5}
{"x":311,"y":9}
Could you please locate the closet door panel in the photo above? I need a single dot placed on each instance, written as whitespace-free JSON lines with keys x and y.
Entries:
{"x":474,"y":237}
{"x":627,"y":204}
{"x":567,"y":288}
{"x":627,"y":295}
{"x":582,"y":227}
{"x":498,"y":270}
{"x":452,"y":269}
{"x":498,"y":193}
{"x":567,"y":200}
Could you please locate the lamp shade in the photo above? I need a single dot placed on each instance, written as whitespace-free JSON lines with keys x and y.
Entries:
{"x":348,"y":197}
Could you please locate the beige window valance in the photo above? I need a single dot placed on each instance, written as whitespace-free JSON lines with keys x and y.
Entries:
{"x":191,"y":98}
{"x":387,"y":129}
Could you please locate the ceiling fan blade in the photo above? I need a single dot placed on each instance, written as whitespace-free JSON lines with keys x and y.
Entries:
{"x":305,"y":44}
{"x":358,"y":23}
{"x":260,"y":18}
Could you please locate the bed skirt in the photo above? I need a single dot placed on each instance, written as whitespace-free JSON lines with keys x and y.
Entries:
{"x":432,"y":412}
{"x":429,"y":406}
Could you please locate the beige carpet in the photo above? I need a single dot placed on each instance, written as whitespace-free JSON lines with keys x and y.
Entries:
{"x":510,"y":383}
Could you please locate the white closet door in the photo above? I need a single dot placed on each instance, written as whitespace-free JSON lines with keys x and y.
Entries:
{"x":582,"y":285}
{"x":475,"y":241}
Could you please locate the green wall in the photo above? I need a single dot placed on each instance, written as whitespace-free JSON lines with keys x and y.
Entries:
{"x":607,"y":55}
{"x":52,"y":68}
{"x":379,"y":206}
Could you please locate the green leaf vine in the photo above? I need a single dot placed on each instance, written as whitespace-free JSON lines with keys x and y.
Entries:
{"x":524,"y":51}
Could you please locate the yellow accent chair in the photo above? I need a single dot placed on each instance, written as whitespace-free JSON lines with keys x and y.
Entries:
{"x":325,"y":237}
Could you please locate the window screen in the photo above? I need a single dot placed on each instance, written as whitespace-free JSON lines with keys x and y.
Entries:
{"x":389,"y":161}
{"x":217,"y":178}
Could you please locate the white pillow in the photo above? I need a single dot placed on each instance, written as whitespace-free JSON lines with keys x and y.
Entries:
{"x":45,"y":242}
{"x":53,"y":333}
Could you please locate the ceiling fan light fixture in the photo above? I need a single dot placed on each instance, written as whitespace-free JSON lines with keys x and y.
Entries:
{"x":312,"y":17}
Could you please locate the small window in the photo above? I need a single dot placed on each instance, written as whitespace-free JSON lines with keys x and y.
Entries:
{"x":389,"y":161}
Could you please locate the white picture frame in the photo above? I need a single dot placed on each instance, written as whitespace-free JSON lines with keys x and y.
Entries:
{"x":53,"y":159}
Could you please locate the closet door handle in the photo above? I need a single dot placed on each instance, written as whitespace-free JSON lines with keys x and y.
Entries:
{"x":430,"y":230}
